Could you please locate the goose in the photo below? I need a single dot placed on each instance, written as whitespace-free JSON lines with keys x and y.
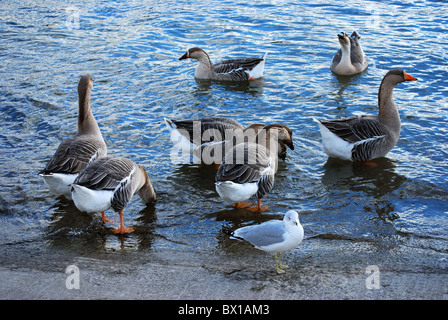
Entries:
{"x":76,"y":152}
{"x":366,"y":137}
{"x":202,"y":137}
{"x":111,"y":182}
{"x":248,"y":168}
{"x":274,"y":236}
{"x":350,"y":58}
{"x":242,"y":69}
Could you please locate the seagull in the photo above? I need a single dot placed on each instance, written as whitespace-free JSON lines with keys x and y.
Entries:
{"x":275,"y":236}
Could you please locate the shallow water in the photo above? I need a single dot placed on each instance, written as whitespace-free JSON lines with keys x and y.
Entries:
{"x":132,"y":48}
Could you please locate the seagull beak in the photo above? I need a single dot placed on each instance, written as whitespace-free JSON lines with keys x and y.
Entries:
{"x":408,"y":77}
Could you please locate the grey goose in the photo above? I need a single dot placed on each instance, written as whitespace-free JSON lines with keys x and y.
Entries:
{"x":76,"y":152}
{"x":242,"y":69}
{"x":366,"y":137}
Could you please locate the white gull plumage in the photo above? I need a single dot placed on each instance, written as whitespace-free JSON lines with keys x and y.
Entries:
{"x":274,"y":236}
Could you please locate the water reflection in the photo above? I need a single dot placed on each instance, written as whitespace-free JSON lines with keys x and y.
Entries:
{"x":70,"y":227}
{"x":375,"y":179}
{"x":339,"y":85}
{"x":200,"y":177}
{"x":254,"y":87}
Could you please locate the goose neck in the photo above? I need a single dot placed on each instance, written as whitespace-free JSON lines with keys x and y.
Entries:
{"x":388,"y":112}
{"x":86,"y":120}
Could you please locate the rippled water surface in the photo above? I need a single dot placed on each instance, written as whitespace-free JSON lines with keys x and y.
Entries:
{"x":131,"y":48}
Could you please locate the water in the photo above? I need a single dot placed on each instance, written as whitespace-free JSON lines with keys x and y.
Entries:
{"x":132,"y":48}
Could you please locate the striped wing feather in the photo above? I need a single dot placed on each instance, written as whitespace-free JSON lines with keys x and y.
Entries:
{"x":73,"y":155}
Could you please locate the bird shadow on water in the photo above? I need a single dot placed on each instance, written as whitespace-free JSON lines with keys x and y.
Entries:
{"x":254,"y":87}
{"x":339,"y":85}
{"x":70,"y":229}
{"x":375,"y":179}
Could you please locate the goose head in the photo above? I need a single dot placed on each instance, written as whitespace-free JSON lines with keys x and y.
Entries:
{"x":398,"y":76}
{"x":85,"y":84}
{"x":195,"y":53}
{"x":355,"y":35}
{"x":281,"y":133}
{"x":344,"y":40}
{"x":147,"y":192}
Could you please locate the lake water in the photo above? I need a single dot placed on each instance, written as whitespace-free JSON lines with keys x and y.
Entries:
{"x":132,"y":48}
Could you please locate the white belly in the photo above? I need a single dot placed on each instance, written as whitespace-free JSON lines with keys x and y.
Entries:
{"x":89,"y":200}
{"x":335,"y":146}
{"x":59,"y":183}
{"x":236,"y":192}
{"x":257,"y":71}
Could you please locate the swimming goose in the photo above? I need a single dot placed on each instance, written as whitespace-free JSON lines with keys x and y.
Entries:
{"x":111,"y":182}
{"x":201,"y":137}
{"x":350,"y":59}
{"x":228,"y":70}
{"x":248,"y":168}
{"x":366,"y":137}
{"x":75,"y":153}
{"x":275,"y":236}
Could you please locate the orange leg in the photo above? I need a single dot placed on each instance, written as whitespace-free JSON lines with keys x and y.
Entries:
{"x":104,"y":218}
{"x":242,"y":204}
{"x":122,"y":229}
{"x":370,"y":164}
{"x":259,"y":208}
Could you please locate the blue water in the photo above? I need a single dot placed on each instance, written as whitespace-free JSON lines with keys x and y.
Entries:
{"x":131,"y":48}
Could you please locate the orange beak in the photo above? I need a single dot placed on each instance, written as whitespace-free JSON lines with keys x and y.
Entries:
{"x":408,"y":77}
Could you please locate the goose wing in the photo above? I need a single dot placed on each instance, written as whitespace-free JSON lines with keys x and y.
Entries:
{"x":105,"y":173}
{"x":220,"y":124}
{"x":110,"y":173}
{"x":236,"y":69}
{"x":337,"y":57}
{"x":227,"y":66}
{"x":357,"y":128}
{"x":244,"y":163}
{"x":367,"y":133}
{"x":74,"y":154}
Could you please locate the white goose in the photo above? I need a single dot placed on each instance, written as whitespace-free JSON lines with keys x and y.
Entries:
{"x":243,"y":69}
{"x":76,"y":152}
{"x":366,"y":137}
{"x":248,"y":168}
{"x":350,"y":58}
{"x":111,"y":182}
{"x":208,"y":139}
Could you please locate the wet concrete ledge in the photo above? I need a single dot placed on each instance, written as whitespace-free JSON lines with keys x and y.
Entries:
{"x":30,"y":273}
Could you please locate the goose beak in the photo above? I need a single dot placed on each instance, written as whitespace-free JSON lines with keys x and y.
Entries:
{"x":283,"y":155}
{"x":408,"y":77}
{"x":342,"y":35}
{"x":185,"y":56}
{"x":291,"y":145}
